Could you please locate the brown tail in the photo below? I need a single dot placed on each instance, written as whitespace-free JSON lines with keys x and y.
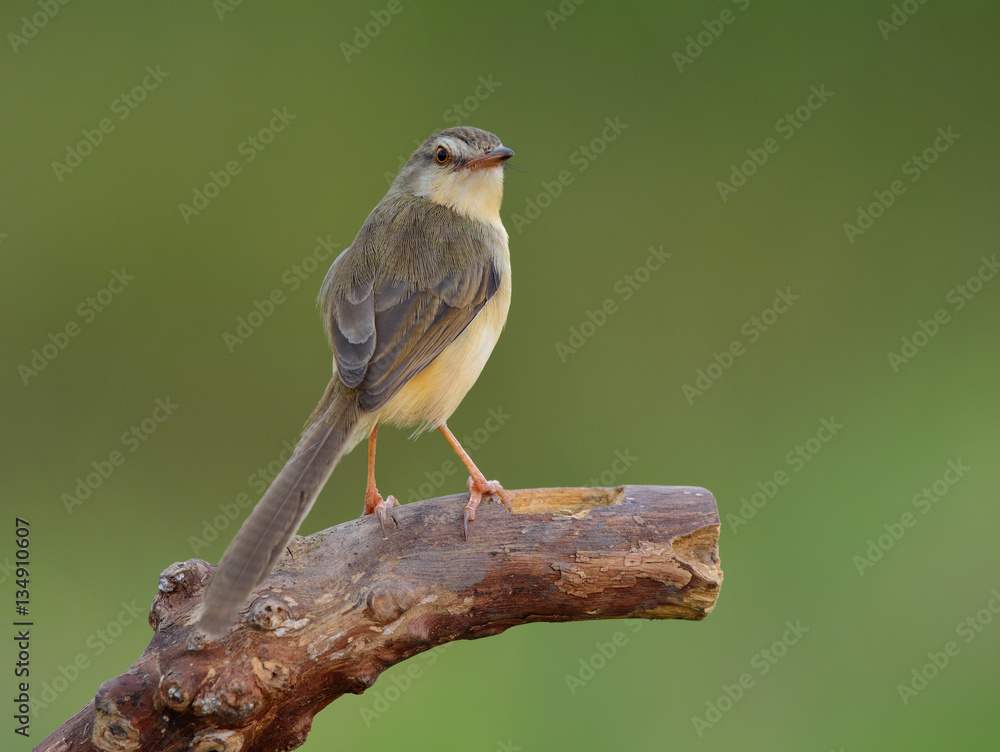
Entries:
{"x":259,"y":544}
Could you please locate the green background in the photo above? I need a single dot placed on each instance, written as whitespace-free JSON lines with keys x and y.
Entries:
{"x":826,"y":357}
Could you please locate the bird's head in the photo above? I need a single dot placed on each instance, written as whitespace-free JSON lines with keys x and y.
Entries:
{"x":461,"y":168}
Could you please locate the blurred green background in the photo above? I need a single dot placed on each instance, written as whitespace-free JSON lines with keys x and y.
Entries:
{"x":691,"y":88}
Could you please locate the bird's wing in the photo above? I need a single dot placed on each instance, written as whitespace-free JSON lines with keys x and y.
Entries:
{"x":384,"y":328}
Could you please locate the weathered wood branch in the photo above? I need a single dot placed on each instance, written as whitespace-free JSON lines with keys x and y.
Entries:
{"x":344,"y":605}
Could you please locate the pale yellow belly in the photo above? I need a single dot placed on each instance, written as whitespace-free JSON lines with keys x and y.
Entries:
{"x":430,"y":397}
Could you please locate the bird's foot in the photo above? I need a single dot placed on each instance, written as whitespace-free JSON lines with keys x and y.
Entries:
{"x":478,"y":487}
{"x":375,"y":504}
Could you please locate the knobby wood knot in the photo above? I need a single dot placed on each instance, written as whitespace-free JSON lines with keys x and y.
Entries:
{"x":179,"y":584}
{"x":270,"y":613}
{"x":387,"y":603}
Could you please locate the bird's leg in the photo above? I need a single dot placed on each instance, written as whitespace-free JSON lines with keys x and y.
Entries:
{"x":477,"y":485}
{"x":373,"y":499}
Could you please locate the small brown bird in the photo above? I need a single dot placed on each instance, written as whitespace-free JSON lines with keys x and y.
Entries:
{"x":413,"y":309}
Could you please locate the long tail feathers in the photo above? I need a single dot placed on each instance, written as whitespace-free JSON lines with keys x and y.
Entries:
{"x":265,"y":534}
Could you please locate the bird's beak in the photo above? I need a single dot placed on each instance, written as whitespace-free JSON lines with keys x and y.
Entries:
{"x":492,"y":158}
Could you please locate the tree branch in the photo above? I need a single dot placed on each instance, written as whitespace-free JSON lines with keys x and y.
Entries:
{"x":344,"y":605}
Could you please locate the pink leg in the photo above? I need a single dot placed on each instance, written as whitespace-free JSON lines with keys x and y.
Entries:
{"x":373,"y":499}
{"x":477,"y":485}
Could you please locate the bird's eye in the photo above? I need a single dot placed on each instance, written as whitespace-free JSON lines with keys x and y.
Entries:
{"x":442,"y":156}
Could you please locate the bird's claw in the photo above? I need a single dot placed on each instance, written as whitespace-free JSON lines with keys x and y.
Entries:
{"x":378,"y":508}
{"x":479,"y":487}
{"x":470,"y":514}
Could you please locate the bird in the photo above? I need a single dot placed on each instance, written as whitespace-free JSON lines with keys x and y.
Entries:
{"x":412,"y":310}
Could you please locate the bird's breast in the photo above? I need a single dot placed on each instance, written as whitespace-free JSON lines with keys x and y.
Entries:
{"x":430,"y":397}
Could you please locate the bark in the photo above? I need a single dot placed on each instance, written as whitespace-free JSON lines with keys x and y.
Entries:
{"x":344,"y":605}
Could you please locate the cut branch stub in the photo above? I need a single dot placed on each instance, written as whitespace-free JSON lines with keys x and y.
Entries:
{"x":344,"y":605}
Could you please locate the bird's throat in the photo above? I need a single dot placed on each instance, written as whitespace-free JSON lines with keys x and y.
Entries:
{"x":475,"y":194}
